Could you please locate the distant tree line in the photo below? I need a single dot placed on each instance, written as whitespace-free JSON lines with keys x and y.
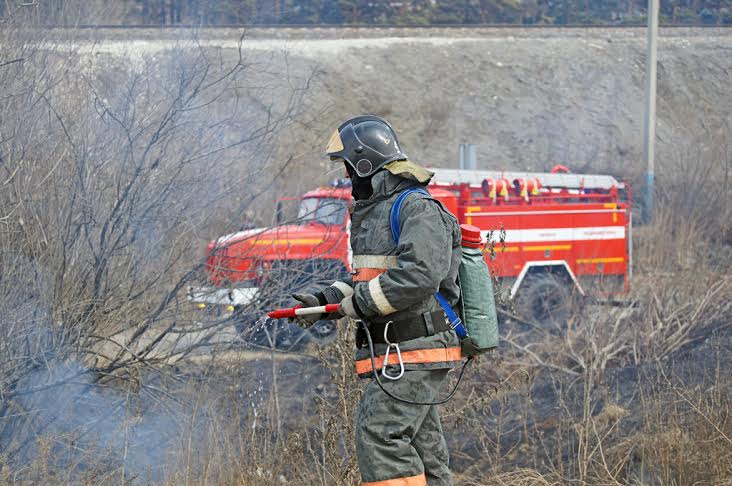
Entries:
{"x":378,"y":12}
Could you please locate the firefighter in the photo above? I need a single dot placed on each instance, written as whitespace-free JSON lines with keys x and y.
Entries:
{"x":392,"y":291}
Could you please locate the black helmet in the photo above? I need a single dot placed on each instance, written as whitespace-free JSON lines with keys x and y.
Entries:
{"x":366,"y":143}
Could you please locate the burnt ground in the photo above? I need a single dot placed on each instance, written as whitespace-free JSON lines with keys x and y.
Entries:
{"x":535,"y":426}
{"x":530,"y":420}
{"x":523,"y":422}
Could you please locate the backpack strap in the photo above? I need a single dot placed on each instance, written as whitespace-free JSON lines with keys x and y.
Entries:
{"x":396,"y":209}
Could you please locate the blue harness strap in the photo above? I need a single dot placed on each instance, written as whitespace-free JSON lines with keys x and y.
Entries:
{"x":396,"y":208}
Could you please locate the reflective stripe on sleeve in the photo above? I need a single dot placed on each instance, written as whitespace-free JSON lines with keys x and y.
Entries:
{"x":415,"y":356}
{"x":366,"y":274}
{"x":345,"y":289}
{"x":418,"y":480}
{"x":380,"y":300}
{"x":374,"y":261}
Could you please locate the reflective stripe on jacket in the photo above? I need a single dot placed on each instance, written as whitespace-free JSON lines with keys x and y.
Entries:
{"x":418,"y":480}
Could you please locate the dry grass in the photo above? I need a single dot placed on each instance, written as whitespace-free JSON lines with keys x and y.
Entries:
{"x":517,"y":477}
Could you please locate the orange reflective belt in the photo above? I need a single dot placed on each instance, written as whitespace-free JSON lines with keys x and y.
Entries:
{"x":418,"y":480}
{"x":366,"y":274}
{"x":436,"y":355}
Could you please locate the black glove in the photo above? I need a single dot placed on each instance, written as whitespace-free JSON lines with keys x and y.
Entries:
{"x":307,"y":300}
{"x":469,"y":349}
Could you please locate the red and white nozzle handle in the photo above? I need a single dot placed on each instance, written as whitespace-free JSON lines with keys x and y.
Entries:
{"x":299,"y":310}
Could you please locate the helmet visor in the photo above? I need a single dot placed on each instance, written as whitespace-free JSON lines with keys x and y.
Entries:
{"x":335,"y":144}
{"x":345,"y":144}
{"x":367,"y":151}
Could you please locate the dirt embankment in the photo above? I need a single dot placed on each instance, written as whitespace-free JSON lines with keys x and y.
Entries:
{"x":529,"y":102}
{"x":527,"y":98}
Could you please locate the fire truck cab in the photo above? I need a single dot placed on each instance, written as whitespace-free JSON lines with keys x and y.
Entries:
{"x":554,"y":236}
{"x":318,"y":237}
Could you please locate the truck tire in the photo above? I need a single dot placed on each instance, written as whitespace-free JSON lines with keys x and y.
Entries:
{"x":265,"y":333}
{"x":323,"y":331}
{"x":546,"y":299}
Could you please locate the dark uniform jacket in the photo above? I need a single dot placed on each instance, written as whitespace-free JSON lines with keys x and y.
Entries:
{"x":397,"y":282}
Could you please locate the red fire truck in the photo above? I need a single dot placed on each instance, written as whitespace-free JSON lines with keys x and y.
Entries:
{"x":555,"y":236}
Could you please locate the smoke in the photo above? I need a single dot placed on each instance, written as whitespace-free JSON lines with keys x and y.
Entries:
{"x":50,"y":404}
{"x":83,"y":419}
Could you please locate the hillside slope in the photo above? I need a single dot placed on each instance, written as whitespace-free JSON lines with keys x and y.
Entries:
{"x":529,"y":102}
{"x":526,"y":98}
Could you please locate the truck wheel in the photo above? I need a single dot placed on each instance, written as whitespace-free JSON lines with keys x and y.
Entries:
{"x":323,"y":330}
{"x":545,"y":299}
{"x":289,"y":337}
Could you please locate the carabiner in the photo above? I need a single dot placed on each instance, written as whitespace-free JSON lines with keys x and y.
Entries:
{"x":386,"y":332}
{"x":390,"y":345}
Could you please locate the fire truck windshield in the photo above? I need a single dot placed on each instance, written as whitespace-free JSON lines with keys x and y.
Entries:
{"x":323,"y":210}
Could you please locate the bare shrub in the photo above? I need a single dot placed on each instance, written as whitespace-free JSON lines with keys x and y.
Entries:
{"x":519,"y":477}
{"x":691,"y":228}
{"x":678,"y":310}
{"x":109,"y":168}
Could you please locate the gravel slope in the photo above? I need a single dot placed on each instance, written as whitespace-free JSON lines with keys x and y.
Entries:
{"x":528,"y":98}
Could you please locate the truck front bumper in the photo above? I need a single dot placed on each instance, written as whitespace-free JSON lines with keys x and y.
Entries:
{"x":210,"y":296}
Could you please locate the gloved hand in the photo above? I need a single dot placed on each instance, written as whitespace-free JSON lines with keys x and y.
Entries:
{"x":348,"y":308}
{"x":307,"y":300}
{"x":468,"y":348}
